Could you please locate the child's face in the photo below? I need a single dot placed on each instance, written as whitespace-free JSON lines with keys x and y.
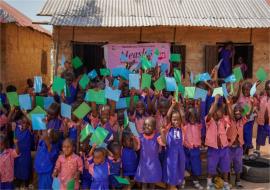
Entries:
{"x":267,"y":89}
{"x":23,"y":123}
{"x":237,"y":112}
{"x":163,"y":108}
{"x":148,"y":126}
{"x":117,"y":153}
{"x":140,"y":108}
{"x":67,"y":148}
{"x":246,"y":89}
{"x":166,"y":94}
{"x":120,"y":116}
{"x":192,"y":118}
{"x":218,"y":114}
{"x":99,"y":157}
{"x":176,"y":119}
{"x":84,"y":146}
{"x":128,"y":142}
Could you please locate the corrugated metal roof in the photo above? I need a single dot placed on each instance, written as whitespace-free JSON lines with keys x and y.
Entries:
{"x":128,"y":13}
{"x":9,"y":14}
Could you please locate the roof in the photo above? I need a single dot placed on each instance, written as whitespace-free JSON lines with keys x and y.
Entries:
{"x":137,"y":13}
{"x":9,"y":14}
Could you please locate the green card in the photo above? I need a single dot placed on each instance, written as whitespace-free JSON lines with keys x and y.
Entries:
{"x":99,"y":136}
{"x":40,"y":101}
{"x":146,"y":64}
{"x":58,"y":85}
{"x":189,"y":92}
{"x":175,"y":57}
{"x":176,"y":94}
{"x":156,"y":51}
{"x":238,"y":74}
{"x":105,"y":72}
{"x":197,"y":78}
{"x":146,"y":81}
{"x":136,"y":99}
{"x":82,"y":110}
{"x":160,"y":84}
{"x":71,"y":184}
{"x":246,"y":109}
{"x":76,"y":62}
{"x":36,"y":110}
{"x":84,"y":81}
{"x":126,"y":119}
{"x":177,"y":75}
{"x":181,"y":89}
{"x":66,"y":91}
{"x":13,"y":99}
{"x":86,"y":132}
{"x":96,"y":96}
{"x":217,"y":91}
{"x":121,"y":180}
{"x":261,"y":74}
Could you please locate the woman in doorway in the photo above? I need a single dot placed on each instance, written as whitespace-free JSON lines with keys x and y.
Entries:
{"x":226,"y":53}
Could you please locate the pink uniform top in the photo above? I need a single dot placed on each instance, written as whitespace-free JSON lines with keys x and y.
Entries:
{"x":67,"y":168}
{"x":192,"y":135}
{"x":3,"y":120}
{"x":264,"y":103}
{"x":235,"y":131}
{"x":215,"y":130}
{"x":7,"y":165}
{"x":244,"y":100}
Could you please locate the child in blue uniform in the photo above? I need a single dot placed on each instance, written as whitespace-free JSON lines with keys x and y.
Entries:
{"x":53,"y":117}
{"x":172,"y":138}
{"x":99,"y":168}
{"x":149,"y":169}
{"x":46,"y":156}
{"x":23,"y":164}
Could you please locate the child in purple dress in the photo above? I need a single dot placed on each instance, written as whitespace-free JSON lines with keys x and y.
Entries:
{"x":149,"y":169}
{"x":172,"y":138}
{"x":99,"y":168}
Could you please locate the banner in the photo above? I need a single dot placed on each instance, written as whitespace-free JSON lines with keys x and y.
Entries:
{"x":117,"y":55}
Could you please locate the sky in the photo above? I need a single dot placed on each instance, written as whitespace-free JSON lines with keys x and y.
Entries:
{"x":31,"y":8}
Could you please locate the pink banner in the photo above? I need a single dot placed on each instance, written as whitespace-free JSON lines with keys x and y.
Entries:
{"x":133,"y":52}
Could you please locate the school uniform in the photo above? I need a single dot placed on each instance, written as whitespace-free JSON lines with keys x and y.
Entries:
{"x":44,"y":164}
{"x":192,"y":143}
{"x":54,"y":124}
{"x":129,"y":161}
{"x":115,"y":170}
{"x":73,"y":94}
{"x":23,"y":163}
{"x":86,"y":178}
{"x":174,"y":163}
{"x":263,"y":130}
{"x":225,"y":68}
{"x":100,"y":175}
{"x":235,"y":135}
{"x":67,"y":168}
{"x":149,"y":167}
{"x":7,"y":168}
{"x":217,"y":142}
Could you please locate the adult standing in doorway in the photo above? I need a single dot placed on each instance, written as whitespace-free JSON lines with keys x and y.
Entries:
{"x":226,"y":53}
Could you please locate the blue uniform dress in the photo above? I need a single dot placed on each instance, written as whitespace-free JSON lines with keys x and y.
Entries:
{"x":115,"y":170}
{"x":225,"y":68}
{"x":248,"y":128}
{"x":86,"y":178}
{"x":54,"y":124}
{"x":73,"y":93}
{"x":72,"y":134}
{"x":149,"y":168}
{"x":23,"y":163}
{"x":44,"y":164}
{"x":129,"y":162}
{"x":100,"y":179}
{"x":174,"y":166}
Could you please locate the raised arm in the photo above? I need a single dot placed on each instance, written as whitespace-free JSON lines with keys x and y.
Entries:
{"x":212,"y":109}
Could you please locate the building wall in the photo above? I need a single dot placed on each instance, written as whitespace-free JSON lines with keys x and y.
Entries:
{"x":195,"y":39}
{"x":21,"y":51}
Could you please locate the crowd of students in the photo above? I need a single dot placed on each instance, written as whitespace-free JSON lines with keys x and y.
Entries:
{"x":172,"y":129}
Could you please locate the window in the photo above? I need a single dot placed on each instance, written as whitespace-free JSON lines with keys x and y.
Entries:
{"x":44,"y":61}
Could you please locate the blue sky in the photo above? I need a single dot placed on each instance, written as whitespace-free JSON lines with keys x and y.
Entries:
{"x":31,"y":8}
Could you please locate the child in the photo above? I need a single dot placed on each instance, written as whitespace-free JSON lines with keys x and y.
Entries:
{"x":129,"y":155}
{"x":53,"y":113}
{"x":46,"y":156}
{"x":217,"y":142}
{"x":68,"y":166}
{"x":115,"y":163}
{"x":149,"y":168}
{"x":174,"y":166}
{"x":263,"y":119}
{"x":99,"y":168}
{"x":236,"y":140}
{"x":85,"y":177}
{"x":192,"y":143}
{"x":23,"y":164}
{"x":7,"y":157}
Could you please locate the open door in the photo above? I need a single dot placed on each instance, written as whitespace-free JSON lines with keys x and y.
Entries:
{"x":181,"y":49}
{"x":211,"y":58}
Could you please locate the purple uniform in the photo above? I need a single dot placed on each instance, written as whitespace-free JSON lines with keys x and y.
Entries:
{"x":236,"y":154}
{"x":149,"y":168}
{"x":218,"y":157}
{"x":129,"y":161}
{"x":100,"y":176}
{"x":262,"y":133}
{"x":174,"y":163}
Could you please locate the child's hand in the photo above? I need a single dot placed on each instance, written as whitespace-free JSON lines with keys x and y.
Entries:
{"x":132,"y":92}
{"x":157,"y":93}
{"x":77,"y":175}
{"x":174,"y":102}
{"x":55,"y":173}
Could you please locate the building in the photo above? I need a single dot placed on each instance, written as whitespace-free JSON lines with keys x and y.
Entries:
{"x":25,"y":48}
{"x":194,"y":28}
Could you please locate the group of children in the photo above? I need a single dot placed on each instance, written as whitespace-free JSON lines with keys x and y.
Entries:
{"x":171,"y":133}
